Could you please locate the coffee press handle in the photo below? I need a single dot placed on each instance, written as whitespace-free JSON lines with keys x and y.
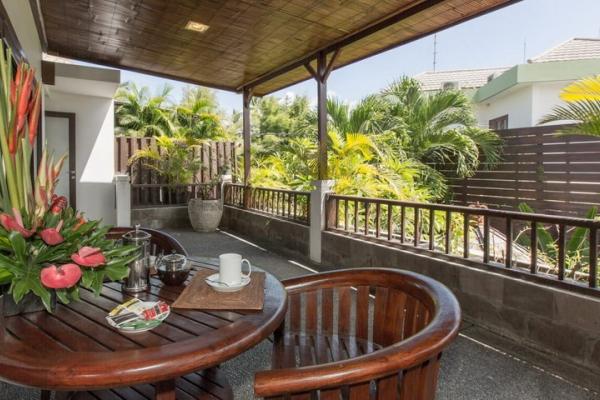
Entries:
{"x":249,"y":268}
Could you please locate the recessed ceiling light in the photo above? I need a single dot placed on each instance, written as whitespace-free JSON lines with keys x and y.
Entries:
{"x":196,"y":26}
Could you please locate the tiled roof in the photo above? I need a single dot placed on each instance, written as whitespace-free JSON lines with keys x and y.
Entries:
{"x":467,"y":78}
{"x":573,"y":49}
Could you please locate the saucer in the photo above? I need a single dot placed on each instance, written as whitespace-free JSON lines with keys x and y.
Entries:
{"x":213,"y":282}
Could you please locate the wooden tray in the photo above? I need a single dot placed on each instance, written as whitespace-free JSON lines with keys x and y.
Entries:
{"x":199,"y":296}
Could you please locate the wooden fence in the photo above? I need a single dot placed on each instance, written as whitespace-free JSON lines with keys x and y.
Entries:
{"x":554,"y":174}
{"x":215,"y":158}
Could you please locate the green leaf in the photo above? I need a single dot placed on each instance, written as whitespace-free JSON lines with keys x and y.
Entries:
{"x":19,"y":289}
{"x":5,"y":276}
{"x":98,"y":281}
{"x":579,"y":237}
{"x":19,"y":246}
{"x":87,"y":278}
{"x":63,"y":296}
{"x":117,"y":272}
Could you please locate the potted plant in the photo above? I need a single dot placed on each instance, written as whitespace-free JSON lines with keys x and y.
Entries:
{"x":205,"y":211}
{"x":47,"y":249}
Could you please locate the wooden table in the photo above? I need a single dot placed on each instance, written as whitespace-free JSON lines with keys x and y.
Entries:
{"x":75,"y":350}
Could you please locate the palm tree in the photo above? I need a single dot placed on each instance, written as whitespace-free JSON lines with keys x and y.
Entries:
{"x":582,"y":106}
{"x":197,"y":116}
{"x":140,"y":114}
{"x":439,"y":129}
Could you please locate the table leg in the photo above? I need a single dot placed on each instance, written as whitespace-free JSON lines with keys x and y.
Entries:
{"x":165,"y":390}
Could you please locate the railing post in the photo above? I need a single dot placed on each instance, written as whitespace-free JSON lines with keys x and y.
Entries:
{"x":122,"y":200}
{"x":318,"y":217}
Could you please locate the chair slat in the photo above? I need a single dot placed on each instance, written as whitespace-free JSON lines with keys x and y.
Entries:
{"x":327,"y":310}
{"x":387,"y":388}
{"x":362,"y":312}
{"x":344,"y":310}
{"x":381,"y":295}
{"x":295,"y":306}
{"x":311,"y":315}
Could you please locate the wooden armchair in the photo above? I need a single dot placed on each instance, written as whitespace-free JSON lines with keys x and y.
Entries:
{"x":161,"y":242}
{"x":361,"y":334}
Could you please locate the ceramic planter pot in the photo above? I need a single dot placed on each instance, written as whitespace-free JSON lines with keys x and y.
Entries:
{"x":30,"y":303}
{"x":205,"y":215}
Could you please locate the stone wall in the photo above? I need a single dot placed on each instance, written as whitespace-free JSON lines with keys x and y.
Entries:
{"x":551,"y":320}
{"x":274,"y":233}
{"x":161,"y":217}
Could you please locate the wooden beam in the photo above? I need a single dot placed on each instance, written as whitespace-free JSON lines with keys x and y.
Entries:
{"x":322,"y":115}
{"x":247,"y":97}
{"x":329,"y":67}
{"x":311,"y":70}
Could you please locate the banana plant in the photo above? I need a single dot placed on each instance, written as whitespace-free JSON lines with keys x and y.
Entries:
{"x":577,"y":246}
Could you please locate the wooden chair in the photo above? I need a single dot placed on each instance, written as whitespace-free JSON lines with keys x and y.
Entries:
{"x":161,"y":242}
{"x":361,"y":334}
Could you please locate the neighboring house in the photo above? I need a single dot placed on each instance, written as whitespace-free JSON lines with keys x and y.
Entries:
{"x":520,"y":96}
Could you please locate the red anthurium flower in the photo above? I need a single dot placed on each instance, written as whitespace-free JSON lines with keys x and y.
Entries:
{"x":15,"y":223}
{"x":89,"y":257}
{"x":62,"y":277}
{"x":52,"y":236}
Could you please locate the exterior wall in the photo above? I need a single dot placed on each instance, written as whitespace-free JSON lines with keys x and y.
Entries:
{"x":161,"y":217}
{"x":517,"y":103}
{"x":271,"y":232}
{"x":551,"y":320}
{"x":546,"y":96}
{"x":22,"y":20}
{"x":95,"y":151}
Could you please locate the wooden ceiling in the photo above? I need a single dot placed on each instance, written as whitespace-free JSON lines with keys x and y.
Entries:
{"x":259,"y":43}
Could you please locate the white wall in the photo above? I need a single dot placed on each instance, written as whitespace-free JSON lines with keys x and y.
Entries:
{"x":545,"y":98}
{"x":95,"y":150}
{"x":22,"y":20}
{"x":516,"y":102}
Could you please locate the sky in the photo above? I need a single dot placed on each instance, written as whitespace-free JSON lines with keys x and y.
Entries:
{"x":503,"y":38}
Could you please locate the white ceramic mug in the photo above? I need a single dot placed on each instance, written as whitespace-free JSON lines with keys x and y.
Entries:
{"x":230,"y":268}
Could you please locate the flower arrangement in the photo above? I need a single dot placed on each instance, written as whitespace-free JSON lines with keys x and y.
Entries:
{"x":45,"y":246}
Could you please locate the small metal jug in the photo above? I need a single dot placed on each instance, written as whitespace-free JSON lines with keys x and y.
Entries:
{"x":137,"y":281}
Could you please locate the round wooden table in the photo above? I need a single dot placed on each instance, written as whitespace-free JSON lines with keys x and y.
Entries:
{"x":75,"y":350}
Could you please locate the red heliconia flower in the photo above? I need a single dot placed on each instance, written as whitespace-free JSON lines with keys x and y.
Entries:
{"x":62,"y":277}
{"x":23,"y":101}
{"x":59,"y":203}
{"x":34,"y":114}
{"x":52,"y":236}
{"x":89,"y":257}
{"x":15,"y":223}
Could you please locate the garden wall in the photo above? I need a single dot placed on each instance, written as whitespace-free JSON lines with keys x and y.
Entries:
{"x":161,"y":217}
{"x":550,"y":320}
{"x":274,"y":233}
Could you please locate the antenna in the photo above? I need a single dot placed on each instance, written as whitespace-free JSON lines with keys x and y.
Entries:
{"x":434,"y":52}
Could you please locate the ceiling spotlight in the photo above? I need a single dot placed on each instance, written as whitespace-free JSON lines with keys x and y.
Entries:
{"x":196,"y":26}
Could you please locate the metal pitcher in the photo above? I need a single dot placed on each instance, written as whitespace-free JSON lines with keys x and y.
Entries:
{"x":137,"y":281}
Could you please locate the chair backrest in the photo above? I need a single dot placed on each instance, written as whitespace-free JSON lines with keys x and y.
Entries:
{"x":160,"y":243}
{"x":406,"y":319}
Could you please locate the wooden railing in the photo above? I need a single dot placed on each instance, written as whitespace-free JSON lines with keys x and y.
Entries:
{"x":159,"y":194}
{"x":568,"y":250}
{"x":288,"y":204}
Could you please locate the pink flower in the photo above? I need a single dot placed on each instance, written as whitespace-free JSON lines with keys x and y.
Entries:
{"x":62,"y":277}
{"x":89,"y":257}
{"x":59,"y":203}
{"x":15,"y":223}
{"x":52,"y":236}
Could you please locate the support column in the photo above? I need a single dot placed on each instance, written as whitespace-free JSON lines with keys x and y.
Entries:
{"x":318,"y":214}
{"x":247,"y":96}
{"x":123,"y":200}
{"x":322,"y":113}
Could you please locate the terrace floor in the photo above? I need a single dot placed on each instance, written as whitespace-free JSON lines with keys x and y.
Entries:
{"x":479,"y":365}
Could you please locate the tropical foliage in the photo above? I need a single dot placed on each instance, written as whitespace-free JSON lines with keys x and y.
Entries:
{"x":582,"y":106}
{"x":45,"y":246}
{"x":395,"y":143}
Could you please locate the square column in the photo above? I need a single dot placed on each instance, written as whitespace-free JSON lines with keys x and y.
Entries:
{"x":317,"y":217}
{"x":123,"y":200}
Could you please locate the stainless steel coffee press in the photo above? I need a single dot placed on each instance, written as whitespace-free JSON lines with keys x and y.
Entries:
{"x":137,"y":281}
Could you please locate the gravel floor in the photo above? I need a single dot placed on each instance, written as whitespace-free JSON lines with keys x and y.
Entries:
{"x":478,"y":365}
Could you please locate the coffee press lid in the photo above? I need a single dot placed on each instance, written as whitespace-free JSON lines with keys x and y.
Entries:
{"x":137,"y":235}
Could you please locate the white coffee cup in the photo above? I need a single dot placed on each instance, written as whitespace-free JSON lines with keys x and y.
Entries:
{"x":230,"y":268}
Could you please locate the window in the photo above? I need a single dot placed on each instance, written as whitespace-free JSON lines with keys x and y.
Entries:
{"x":499,"y":123}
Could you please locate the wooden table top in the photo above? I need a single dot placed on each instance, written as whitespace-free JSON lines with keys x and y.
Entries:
{"x":75,"y":348}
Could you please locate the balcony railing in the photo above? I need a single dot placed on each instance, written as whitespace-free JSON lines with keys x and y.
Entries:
{"x":510,"y":240}
{"x":287,"y":204}
{"x":160,"y":194}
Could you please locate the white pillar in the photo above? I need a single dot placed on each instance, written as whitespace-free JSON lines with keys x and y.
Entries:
{"x":123,"y":200}
{"x":317,"y":216}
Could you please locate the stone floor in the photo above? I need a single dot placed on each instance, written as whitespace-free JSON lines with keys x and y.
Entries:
{"x":478,"y":365}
